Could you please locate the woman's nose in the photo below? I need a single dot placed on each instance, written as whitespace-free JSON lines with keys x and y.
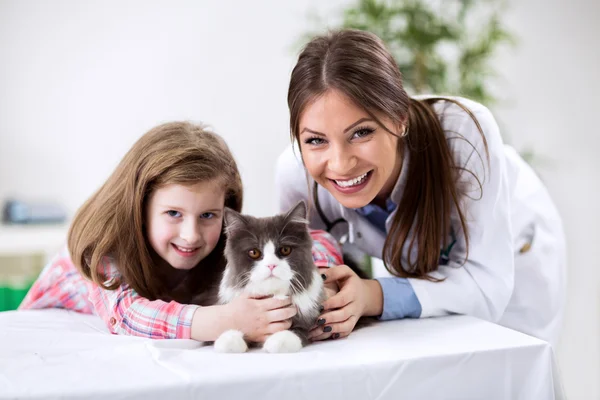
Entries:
{"x":341,"y":161}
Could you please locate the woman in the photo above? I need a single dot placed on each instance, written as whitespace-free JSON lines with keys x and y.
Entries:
{"x":463,"y":224}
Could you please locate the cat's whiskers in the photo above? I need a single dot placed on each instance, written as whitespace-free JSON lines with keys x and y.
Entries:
{"x":295,"y":284}
{"x":243,"y":282}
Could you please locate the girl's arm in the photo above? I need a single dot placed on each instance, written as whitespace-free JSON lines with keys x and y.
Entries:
{"x":127,"y":313}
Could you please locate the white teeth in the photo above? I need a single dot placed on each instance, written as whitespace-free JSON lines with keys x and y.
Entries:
{"x":185,"y":250}
{"x":352,"y":182}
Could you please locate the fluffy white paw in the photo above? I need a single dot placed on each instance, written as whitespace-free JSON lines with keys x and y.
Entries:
{"x":283,"y":342}
{"x":231,"y":341}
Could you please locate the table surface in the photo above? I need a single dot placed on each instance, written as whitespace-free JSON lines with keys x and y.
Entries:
{"x":47,"y":354}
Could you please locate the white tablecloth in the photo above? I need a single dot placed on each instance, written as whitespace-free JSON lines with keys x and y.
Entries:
{"x":60,"y":354}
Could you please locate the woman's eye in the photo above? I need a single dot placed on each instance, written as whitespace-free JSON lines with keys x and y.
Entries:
{"x":207,"y":215}
{"x":174,"y":214}
{"x":254,"y":254}
{"x":363,"y":132}
{"x":314,"y":141}
{"x":285,"y":250}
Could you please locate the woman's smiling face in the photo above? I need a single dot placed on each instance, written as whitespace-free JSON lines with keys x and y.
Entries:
{"x":347,"y":152}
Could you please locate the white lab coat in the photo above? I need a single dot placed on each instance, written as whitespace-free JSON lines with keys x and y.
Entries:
{"x":523,"y":291}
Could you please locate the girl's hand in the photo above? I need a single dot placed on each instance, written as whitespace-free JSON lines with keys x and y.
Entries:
{"x":357,"y":297}
{"x":260,"y":318}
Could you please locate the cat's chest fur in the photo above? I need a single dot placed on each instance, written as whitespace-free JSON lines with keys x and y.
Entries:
{"x":307,"y":301}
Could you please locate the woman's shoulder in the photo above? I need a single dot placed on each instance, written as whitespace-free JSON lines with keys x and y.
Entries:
{"x":455,"y":109}
{"x":469,"y":121}
{"x":290,"y":157}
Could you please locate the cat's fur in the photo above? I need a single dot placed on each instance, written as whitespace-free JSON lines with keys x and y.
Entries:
{"x":293,"y":275}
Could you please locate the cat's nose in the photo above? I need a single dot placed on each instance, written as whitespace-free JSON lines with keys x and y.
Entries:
{"x":271,"y":267}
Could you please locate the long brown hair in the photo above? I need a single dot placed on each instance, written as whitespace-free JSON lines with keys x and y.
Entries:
{"x":111,"y":221}
{"x":357,"y":64}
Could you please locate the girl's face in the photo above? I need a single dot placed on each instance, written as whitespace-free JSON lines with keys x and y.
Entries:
{"x":184,"y":222}
{"x":347,"y":152}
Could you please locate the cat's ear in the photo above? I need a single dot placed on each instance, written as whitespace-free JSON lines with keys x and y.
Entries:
{"x":298,"y":213}
{"x":233,"y":220}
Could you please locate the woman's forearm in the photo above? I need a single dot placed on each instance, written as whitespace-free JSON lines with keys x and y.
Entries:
{"x":374,"y":303}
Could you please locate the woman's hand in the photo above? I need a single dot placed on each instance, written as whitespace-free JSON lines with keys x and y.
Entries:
{"x":331,"y":288}
{"x":357,"y":297}
{"x":260,"y":318}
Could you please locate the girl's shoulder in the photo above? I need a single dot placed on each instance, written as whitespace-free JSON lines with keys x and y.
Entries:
{"x":108,"y":268}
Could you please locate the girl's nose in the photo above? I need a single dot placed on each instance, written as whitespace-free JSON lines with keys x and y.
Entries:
{"x":191,"y":233}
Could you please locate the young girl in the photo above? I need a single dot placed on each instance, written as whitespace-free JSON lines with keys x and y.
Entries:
{"x":463,"y":225}
{"x":150,"y":241}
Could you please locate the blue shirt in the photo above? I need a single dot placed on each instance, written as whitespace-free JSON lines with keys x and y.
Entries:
{"x":399,"y":298}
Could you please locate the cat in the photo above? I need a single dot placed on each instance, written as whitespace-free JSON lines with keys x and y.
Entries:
{"x":271,"y":256}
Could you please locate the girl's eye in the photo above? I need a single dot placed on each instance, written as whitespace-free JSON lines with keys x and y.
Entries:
{"x":207,"y":215}
{"x":314,"y":141}
{"x":174,"y":214}
{"x":285,"y":250}
{"x":363,"y":132}
{"x":254,"y":254}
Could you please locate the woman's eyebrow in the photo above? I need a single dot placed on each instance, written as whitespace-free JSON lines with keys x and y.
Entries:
{"x":313,"y":132}
{"x":360,"y":121}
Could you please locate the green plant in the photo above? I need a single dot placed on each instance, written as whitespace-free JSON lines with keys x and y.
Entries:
{"x":441,"y":47}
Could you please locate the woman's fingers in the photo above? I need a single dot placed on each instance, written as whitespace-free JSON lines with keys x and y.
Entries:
{"x":334,"y":330}
{"x":331,"y":317}
{"x":341,"y":335}
{"x":339,"y":300}
{"x":321,"y":336}
{"x":337,"y":273}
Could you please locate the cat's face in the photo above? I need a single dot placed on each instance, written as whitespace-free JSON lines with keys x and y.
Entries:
{"x":269,"y":255}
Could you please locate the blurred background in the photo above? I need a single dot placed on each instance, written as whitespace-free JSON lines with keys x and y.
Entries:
{"x":81,"y":81}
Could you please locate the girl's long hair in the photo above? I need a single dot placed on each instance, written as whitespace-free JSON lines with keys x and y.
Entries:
{"x":111,"y":222}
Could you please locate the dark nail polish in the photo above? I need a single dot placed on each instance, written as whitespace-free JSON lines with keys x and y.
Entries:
{"x":327,"y":329}
{"x":335,"y":335}
{"x":321,"y":309}
{"x":323,"y":276}
{"x":321,"y":322}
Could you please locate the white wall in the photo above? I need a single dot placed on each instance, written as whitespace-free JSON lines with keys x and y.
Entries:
{"x":553,"y":85}
{"x":80,"y":81}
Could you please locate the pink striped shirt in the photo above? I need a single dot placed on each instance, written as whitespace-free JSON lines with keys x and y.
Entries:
{"x":60,"y":285}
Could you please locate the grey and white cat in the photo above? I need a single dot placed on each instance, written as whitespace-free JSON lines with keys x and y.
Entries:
{"x":271,"y":256}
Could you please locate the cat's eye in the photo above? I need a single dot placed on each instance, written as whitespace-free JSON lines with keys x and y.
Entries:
{"x":285,"y":250}
{"x":254,"y":254}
